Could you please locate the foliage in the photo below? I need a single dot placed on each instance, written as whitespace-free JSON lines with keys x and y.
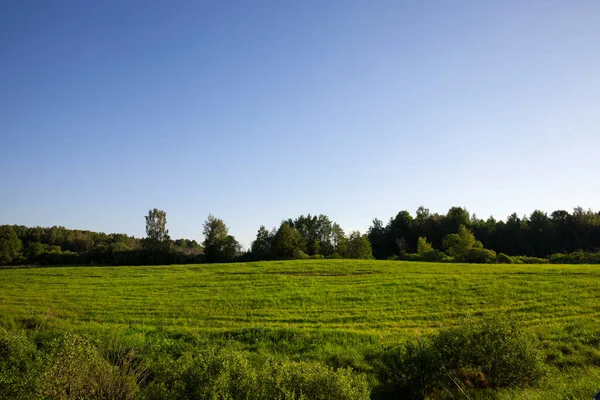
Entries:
{"x":157,"y":239}
{"x":459,"y":244}
{"x":331,"y":314}
{"x":505,"y":259}
{"x":219,"y":246}
{"x":434,"y":256}
{"x":535,"y":236}
{"x":492,"y":353}
{"x":529,"y":260}
{"x":481,"y":256}
{"x":20,"y":366}
{"x":318,"y":233}
{"x":358,"y":246}
{"x":288,"y":243}
{"x":261,"y":246}
{"x":423,"y":246}
{"x":10,"y":246}
{"x":229,"y":374}
{"x":310,"y":380}
{"x":495,"y":351}
{"x":530,"y":239}
{"x":79,"y":371}
{"x":577,"y":257}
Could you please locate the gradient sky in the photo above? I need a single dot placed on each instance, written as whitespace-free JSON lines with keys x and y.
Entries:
{"x":256,"y":111}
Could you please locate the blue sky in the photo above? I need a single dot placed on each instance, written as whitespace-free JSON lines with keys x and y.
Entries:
{"x":256,"y":111}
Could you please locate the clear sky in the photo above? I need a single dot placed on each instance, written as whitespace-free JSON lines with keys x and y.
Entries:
{"x":260,"y":110}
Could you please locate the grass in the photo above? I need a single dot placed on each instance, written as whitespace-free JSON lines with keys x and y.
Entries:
{"x":329,"y":310}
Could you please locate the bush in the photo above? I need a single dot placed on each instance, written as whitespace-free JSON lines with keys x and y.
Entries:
{"x":404,"y":256}
{"x":229,"y":374}
{"x":481,"y":256}
{"x":299,"y":255}
{"x":505,"y":259}
{"x":214,"y":375}
{"x":577,"y":257}
{"x":78,"y":371}
{"x":495,"y":351}
{"x":492,"y":353}
{"x":21,"y":366}
{"x":529,"y":260}
{"x":309,"y":380}
{"x":433,"y":256}
{"x":410,"y":370}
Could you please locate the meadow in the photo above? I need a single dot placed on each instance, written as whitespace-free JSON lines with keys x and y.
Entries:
{"x":334,"y":312}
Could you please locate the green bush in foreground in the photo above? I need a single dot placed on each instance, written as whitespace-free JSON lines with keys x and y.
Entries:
{"x":79,"y":371}
{"x":21,"y":367}
{"x":492,"y":353}
{"x":229,"y":374}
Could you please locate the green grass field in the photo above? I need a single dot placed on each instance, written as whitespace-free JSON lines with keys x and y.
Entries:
{"x":332,"y":311}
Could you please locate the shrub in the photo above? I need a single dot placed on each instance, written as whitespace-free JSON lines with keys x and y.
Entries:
{"x":576,"y":257}
{"x":309,"y":380}
{"x":495,"y":350}
{"x":404,"y":256}
{"x":410,"y":370}
{"x":505,"y":259}
{"x":433,"y":256}
{"x":20,"y":366}
{"x":492,"y":353}
{"x":481,"y":256}
{"x":220,"y":375}
{"x":423,"y":246}
{"x":299,"y":255}
{"x":78,"y":371}
{"x":529,"y":260}
{"x":229,"y":374}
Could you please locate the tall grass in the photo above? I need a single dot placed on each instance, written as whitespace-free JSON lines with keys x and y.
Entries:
{"x":332,"y":314}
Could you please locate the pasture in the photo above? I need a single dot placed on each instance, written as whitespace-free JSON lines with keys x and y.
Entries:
{"x":335,"y":312}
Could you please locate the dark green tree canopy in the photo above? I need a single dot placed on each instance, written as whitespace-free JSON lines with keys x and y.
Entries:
{"x":358,"y":246}
{"x":10,"y":246}
{"x":261,"y":246}
{"x":288,"y":243}
{"x":219,"y":246}
{"x":156,"y":231}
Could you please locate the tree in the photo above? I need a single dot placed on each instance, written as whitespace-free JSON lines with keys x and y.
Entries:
{"x":379,"y":238}
{"x":156,"y":231}
{"x":288,"y":243}
{"x":231,"y":248}
{"x":423,"y":246}
{"x":261,"y":247}
{"x":10,"y":246}
{"x":219,"y":246}
{"x":456,"y":217}
{"x":459,"y":244}
{"x":358,"y":246}
{"x":316,"y":232}
{"x":338,"y":239}
{"x":402,"y":233}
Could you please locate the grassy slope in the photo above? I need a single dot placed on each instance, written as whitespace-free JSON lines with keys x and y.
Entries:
{"x":344,"y":303}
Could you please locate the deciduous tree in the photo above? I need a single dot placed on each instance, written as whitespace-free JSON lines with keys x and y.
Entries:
{"x":219,"y":246}
{"x":156,"y":231}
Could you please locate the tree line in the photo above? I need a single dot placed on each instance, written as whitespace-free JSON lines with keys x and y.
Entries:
{"x":455,"y":236}
{"x":538,"y":235}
